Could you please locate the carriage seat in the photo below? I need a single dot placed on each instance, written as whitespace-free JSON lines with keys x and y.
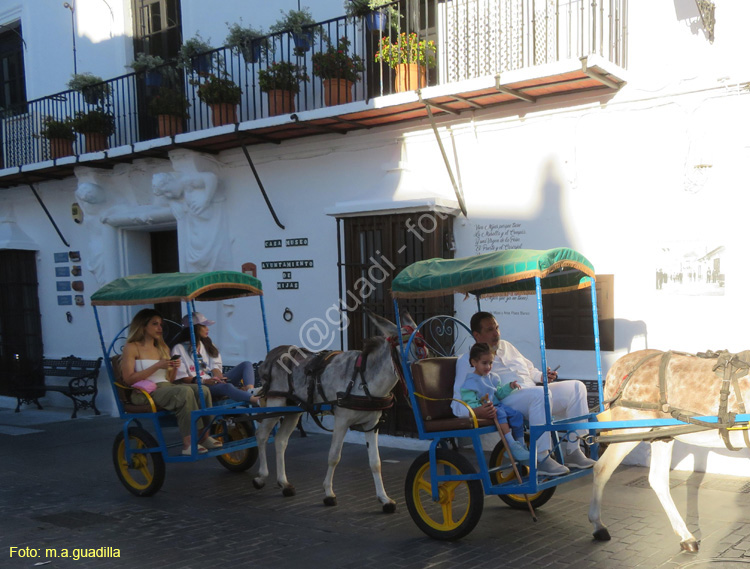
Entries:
{"x":125,"y":392}
{"x":433,"y":378}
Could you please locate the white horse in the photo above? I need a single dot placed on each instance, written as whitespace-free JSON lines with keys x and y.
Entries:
{"x":367,"y":377}
{"x":650,"y":384}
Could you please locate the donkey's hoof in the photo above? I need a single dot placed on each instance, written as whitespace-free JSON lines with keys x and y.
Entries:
{"x":258,"y":483}
{"x":330,"y":501}
{"x":389,"y":508}
{"x":602,"y":535}
{"x":288,"y":491}
{"x":689,"y":545}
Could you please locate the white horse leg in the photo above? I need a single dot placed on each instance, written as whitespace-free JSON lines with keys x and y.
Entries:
{"x":373,"y":453}
{"x":603,"y":470}
{"x":658,"y":477}
{"x":280,"y":442}
{"x":334,"y":456}
{"x":261,"y":437}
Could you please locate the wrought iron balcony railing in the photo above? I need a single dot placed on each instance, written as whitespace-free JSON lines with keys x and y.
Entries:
{"x":471,"y":38}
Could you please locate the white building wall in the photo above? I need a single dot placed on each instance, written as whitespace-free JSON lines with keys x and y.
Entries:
{"x":620,"y":177}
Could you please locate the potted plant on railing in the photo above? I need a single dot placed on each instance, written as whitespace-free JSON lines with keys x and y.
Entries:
{"x":376,"y":13}
{"x":300,"y":24}
{"x":223,"y":96}
{"x":96,"y":126}
{"x":60,"y":135}
{"x":92,"y":87}
{"x":170,"y":107}
{"x":409,"y":56}
{"x":281,"y":81}
{"x":338,"y":70}
{"x":193,"y":55}
{"x":149,"y":65}
{"x":251,"y":42}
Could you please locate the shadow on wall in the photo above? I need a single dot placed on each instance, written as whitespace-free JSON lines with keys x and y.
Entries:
{"x":686,"y":11}
{"x":630,"y":335}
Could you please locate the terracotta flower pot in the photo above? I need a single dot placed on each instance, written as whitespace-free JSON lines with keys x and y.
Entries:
{"x":410,"y":77}
{"x":223,"y":113}
{"x":280,"y":102}
{"x":337,"y":91}
{"x":60,"y":147}
{"x":169,"y":125}
{"x":96,"y":141}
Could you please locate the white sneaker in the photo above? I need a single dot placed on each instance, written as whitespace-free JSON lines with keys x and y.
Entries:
{"x":578,"y":460}
{"x":550,"y":467}
{"x":520,"y":454}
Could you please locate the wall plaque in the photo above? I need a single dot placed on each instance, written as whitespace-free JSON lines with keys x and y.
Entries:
{"x":305,"y":264}
{"x":299,"y":242}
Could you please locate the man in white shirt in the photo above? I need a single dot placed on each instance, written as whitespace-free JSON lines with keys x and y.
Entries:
{"x":567,"y":398}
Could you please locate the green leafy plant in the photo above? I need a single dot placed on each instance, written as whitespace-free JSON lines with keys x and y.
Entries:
{"x":361,"y":8}
{"x":407,"y":48}
{"x":336,"y":63}
{"x":293,"y":21}
{"x":190,"y":49}
{"x":246,"y":40}
{"x":143,"y":62}
{"x":169,"y":102}
{"x":53,"y":128}
{"x":300,"y":24}
{"x":92,"y":87}
{"x":284,"y":76}
{"x":96,"y":121}
{"x":215,"y":90}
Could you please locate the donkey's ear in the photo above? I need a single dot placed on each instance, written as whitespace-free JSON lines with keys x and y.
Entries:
{"x":384,"y":326}
{"x":407,"y":320}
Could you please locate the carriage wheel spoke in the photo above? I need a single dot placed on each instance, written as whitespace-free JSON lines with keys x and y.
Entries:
{"x":424,"y":485}
{"x":447,"y":509}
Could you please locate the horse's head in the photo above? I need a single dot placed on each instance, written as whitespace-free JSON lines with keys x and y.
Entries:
{"x":395,"y":335}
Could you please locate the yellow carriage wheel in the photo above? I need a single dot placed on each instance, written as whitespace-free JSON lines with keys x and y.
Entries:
{"x":506,"y":474}
{"x":460,"y":502}
{"x":144,"y":475}
{"x":238,"y":429}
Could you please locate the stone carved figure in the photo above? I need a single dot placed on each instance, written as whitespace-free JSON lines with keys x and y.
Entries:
{"x":92,"y":200}
{"x":198,"y":205}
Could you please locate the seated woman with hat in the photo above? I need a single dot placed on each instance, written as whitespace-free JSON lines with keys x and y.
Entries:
{"x":236,"y":385}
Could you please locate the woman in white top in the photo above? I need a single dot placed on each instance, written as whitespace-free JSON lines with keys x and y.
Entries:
{"x":145,"y":357}
{"x":235,"y":385}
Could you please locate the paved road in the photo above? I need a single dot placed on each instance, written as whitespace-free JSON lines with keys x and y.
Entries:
{"x":58,"y":490}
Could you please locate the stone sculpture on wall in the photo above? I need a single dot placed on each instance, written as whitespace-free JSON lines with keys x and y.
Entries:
{"x":199,"y":207}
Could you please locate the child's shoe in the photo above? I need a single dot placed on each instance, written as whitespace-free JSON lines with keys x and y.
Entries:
{"x":520,"y":454}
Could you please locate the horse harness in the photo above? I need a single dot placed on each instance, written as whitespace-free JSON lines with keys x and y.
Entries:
{"x":729,"y":367}
{"x":314,"y":370}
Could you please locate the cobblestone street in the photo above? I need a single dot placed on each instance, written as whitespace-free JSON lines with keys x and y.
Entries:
{"x":60,"y":492}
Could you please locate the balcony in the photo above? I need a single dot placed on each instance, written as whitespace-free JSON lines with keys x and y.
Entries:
{"x":488,"y":53}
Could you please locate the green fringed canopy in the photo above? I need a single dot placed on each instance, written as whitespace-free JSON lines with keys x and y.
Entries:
{"x":171,"y":287}
{"x":499,"y":273}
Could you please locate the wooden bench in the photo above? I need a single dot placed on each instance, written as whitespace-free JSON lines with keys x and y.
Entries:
{"x":433,"y":385}
{"x":82,"y":388}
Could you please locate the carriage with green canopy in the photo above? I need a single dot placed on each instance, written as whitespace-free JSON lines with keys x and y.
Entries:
{"x":444,"y":489}
{"x":140,"y":456}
